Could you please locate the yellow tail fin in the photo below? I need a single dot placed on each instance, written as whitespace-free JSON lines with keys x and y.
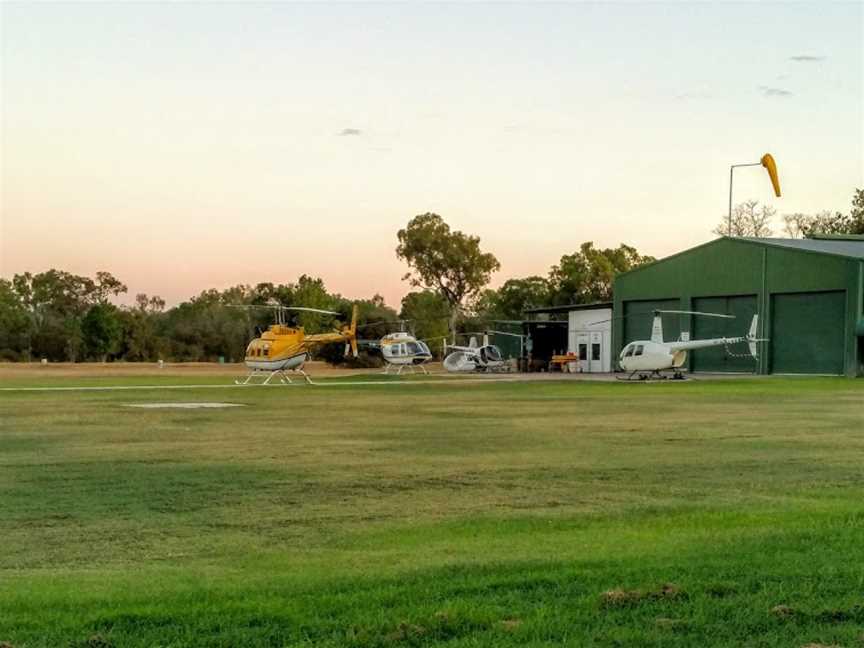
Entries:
{"x":351,"y":333}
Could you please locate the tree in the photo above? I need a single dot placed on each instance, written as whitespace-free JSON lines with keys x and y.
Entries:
{"x":856,"y":214}
{"x":102,"y":331}
{"x":105,"y":287}
{"x":748,"y":219}
{"x":450,"y":263}
{"x":14,"y":324}
{"x":141,"y":341}
{"x":513,"y":298}
{"x":825,"y":222}
{"x":586,"y":276}
{"x":56,"y":302}
{"x":310,"y":292}
{"x":430,"y":314}
{"x":794,"y":225}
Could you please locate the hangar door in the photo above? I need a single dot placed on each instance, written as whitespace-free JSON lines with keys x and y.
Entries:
{"x":737,"y":358}
{"x":638,"y":319}
{"x":807,"y":332}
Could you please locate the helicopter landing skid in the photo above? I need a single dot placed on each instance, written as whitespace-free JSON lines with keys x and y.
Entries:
{"x":641,"y":376}
{"x":284,"y":378}
{"x":399,"y":371}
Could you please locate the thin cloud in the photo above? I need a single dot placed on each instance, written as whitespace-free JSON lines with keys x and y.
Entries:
{"x":350,"y":131}
{"x":806,"y":58}
{"x":684,"y":96}
{"x":774,"y":92}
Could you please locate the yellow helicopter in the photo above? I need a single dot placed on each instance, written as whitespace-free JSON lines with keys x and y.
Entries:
{"x":284,"y":348}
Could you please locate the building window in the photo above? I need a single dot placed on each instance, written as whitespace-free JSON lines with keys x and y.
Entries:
{"x":583,"y":351}
{"x":595,"y":351}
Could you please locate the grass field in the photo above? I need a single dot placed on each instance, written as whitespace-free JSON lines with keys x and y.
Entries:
{"x":726,"y":513}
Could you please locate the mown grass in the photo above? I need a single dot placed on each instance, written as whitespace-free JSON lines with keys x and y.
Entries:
{"x":585,"y":514}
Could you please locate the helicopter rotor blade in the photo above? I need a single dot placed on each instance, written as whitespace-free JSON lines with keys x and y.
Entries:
{"x":620,"y":317}
{"x":684,"y":312}
{"x":656,"y":312}
{"x":284,"y":308}
{"x":308,"y":310}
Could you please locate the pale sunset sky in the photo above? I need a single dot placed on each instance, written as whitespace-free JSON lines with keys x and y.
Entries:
{"x":183,"y":146}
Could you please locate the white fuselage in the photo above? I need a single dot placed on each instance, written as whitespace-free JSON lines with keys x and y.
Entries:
{"x":656,"y":355}
{"x":472,"y":358}
{"x":645,"y":355}
{"x":402,"y":349}
{"x":648,"y":355}
{"x":279,"y":364}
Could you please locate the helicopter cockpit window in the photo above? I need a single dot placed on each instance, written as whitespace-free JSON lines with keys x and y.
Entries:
{"x":424,"y":347}
{"x":638,"y":351}
{"x":490,"y":354}
{"x":413,"y":348}
{"x":629,"y":351}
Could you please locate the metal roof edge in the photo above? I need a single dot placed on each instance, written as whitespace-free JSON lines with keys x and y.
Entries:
{"x":570,"y":307}
{"x":775,"y":244}
{"x":740,"y":239}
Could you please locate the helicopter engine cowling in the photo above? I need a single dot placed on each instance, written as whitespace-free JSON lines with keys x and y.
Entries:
{"x":459,"y":361}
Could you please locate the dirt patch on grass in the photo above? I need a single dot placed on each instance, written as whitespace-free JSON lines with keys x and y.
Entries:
{"x":853,"y":614}
{"x":96,"y":641}
{"x":783,"y":611}
{"x":511,"y":624}
{"x":721,"y":590}
{"x":671,"y":624}
{"x":405,"y":632}
{"x":625,"y":598}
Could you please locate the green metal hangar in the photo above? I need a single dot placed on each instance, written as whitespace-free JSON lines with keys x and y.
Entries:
{"x":809,"y":295}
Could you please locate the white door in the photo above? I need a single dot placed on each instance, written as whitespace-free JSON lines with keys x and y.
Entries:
{"x":583,"y":352}
{"x":595,"y":352}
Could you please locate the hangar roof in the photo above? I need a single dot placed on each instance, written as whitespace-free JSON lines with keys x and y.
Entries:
{"x":569,"y":307}
{"x":850,"y":246}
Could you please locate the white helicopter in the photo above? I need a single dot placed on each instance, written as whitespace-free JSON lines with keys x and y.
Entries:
{"x":401,"y":350}
{"x":648,"y":358}
{"x":474,"y":357}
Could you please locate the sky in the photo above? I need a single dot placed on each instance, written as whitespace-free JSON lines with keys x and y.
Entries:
{"x":184,"y":146}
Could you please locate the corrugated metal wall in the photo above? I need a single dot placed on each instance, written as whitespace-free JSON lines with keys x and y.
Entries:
{"x":735,"y":276}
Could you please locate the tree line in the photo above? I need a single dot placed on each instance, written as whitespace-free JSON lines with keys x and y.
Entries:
{"x":60,"y":316}
{"x":749,"y":218}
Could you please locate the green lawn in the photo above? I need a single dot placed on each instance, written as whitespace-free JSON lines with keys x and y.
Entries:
{"x":511,"y":514}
